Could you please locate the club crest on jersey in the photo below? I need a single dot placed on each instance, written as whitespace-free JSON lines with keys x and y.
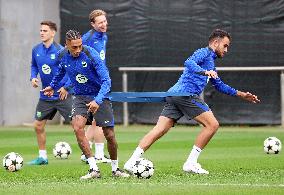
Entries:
{"x":84,"y":64}
{"x":46,"y":69}
{"x":81,"y":78}
{"x":102,"y":54}
{"x":38,"y":114}
{"x":52,"y":56}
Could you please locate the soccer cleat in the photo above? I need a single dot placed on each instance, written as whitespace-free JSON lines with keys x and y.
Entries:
{"x":91,"y":174}
{"x":104,"y":159}
{"x":119,"y":173}
{"x":194,"y":168}
{"x":38,"y":161}
{"x":128,"y":166}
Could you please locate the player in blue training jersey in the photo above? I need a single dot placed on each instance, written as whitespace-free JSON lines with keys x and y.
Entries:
{"x":44,"y":63}
{"x":91,"y":83}
{"x":97,"y":39}
{"x":199,"y":69}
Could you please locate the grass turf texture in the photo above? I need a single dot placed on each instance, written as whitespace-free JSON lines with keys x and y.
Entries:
{"x":234,"y":157}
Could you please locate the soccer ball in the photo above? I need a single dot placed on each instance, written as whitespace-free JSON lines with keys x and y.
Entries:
{"x":62,"y":150}
{"x":272,"y":145}
{"x":143,"y":168}
{"x":13,"y":162}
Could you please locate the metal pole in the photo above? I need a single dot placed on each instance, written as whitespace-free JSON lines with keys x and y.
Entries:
{"x":282,"y":97}
{"x":125,"y":105}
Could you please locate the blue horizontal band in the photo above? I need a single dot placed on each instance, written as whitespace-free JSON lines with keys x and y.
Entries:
{"x":143,"y":96}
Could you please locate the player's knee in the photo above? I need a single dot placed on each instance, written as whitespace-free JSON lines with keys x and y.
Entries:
{"x":39,"y":128}
{"x":214,"y":125}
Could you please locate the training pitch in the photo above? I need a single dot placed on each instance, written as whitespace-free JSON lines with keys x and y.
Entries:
{"x":234,"y":158}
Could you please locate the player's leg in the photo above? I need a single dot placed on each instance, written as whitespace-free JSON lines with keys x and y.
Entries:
{"x":99,"y":139}
{"x":95,"y":135}
{"x":112,"y":149}
{"x":169,"y":116}
{"x":201,"y":113}
{"x":105,"y":119}
{"x":90,"y":133}
{"x":45,"y":110}
{"x":79,"y":120}
{"x":162,"y":127}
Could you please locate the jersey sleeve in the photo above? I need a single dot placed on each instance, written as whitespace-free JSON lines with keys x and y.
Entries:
{"x":192,"y":62}
{"x":56,"y":81}
{"x":34,"y":68}
{"x":222,"y":87}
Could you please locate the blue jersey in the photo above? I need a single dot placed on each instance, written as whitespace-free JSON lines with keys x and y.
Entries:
{"x":96,"y":40}
{"x":44,"y":63}
{"x":193,"y":79}
{"x":87,"y":72}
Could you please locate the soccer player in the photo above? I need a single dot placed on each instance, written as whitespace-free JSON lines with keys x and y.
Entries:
{"x":44,"y":63}
{"x":91,"y":83}
{"x":199,"y":69}
{"x":97,"y":39}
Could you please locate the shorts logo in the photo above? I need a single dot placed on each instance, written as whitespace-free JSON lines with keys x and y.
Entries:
{"x":84,"y":64}
{"x":81,"y":78}
{"x":46,"y":69}
{"x":102,"y":55}
{"x":73,"y":111}
{"x":52,"y":56}
{"x":106,"y":122}
{"x":38,"y":114}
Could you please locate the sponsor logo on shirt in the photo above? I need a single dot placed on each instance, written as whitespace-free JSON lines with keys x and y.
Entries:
{"x":46,"y":69}
{"x":81,"y":78}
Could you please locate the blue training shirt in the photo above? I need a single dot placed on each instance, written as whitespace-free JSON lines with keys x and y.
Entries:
{"x":44,"y":63}
{"x":87,"y":72}
{"x":193,"y":79}
{"x":96,"y":40}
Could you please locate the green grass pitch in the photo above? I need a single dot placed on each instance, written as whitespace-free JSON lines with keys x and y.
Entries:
{"x":234,"y":157}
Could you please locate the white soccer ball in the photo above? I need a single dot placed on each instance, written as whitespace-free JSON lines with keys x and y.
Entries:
{"x":272,"y":145}
{"x":143,"y":168}
{"x":13,"y":162}
{"x":62,"y":150}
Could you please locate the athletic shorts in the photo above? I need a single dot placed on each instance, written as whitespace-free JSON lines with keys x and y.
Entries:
{"x":188,"y":106}
{"x":46,"y":110}
{"x":103,"y":117}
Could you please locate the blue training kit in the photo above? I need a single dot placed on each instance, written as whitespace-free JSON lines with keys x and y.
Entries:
{"x":96,"y":40}
{"x":44,"y":63}
{"x":87,"y":73}
{"x":193,"y":79}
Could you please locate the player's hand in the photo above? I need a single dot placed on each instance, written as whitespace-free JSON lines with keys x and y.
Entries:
{"x":48,"y":91}
{"x":63,"y":93}
{"x":93,"y":106}
{"x":35,"y":82}
{"x":211,"y":73}
{"x":248,"y":96}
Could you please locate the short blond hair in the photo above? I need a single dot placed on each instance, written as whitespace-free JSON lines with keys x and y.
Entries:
{"x":95,"y":13}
